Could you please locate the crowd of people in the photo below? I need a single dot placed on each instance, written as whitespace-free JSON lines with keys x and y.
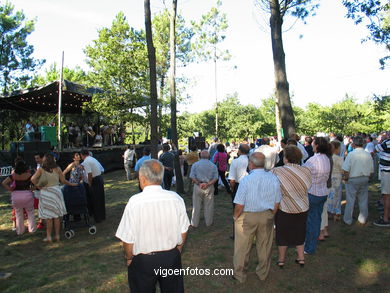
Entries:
{"x":288,"y":188}
{"x":40,"y":189}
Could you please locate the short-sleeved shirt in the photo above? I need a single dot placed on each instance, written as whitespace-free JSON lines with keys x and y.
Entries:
{"x":91,"y":165}
{"x":259,"y":191}
{"x":358,"y":163}
{"x":140,"y":161}
{"x":204,"y":171}
{"x":167,"y":159}
{"x":295,"y":181}
{"x":153,"y":220}
{"x":271,"y":156}
{"x":238,"y":168}
{"x":128,"y":156}
{"x":384,"y":155}
{"x":319,"y":166}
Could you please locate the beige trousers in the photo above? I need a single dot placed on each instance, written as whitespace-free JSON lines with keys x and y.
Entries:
{"x":207,"y":196}
{"x":247,"y":226}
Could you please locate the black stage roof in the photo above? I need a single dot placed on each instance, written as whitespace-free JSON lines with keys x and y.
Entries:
{"x":45,"y":98}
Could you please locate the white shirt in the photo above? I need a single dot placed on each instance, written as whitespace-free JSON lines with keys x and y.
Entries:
{"x":271,"y":156}
{"x":153,"y":220}
{"x":91,"y":165}
{"x":358,"y":163}
{"x":238,"y":168}
{"x":129,"y":155}
{"x":259,"y":191}
{"x":305,"y":155}
{"x":370,"y":147}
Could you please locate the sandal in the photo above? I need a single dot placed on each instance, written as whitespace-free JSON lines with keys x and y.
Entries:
{"x":300,"y":262}
{"x":47,"y":240}
{"x":280,"y":264}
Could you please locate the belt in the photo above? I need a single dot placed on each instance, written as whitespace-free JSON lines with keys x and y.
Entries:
{"x":157,"y":252}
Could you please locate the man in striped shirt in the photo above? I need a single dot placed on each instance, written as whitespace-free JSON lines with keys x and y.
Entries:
{"x":257,"y":200}
{"x":384,"y":164}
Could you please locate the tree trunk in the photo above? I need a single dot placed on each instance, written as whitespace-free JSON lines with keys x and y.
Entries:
{"x":282,"y":87}
{"x":160,"y":105}
{"x":152,"y":78}
{"x":277,"y":120}
{"x":172,"y":87}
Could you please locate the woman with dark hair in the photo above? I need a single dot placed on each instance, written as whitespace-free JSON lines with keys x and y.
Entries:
{"x":51,"y":202}
{"x":221,"y":160}
{"x":75,"y":194}
{"x":21,"y":196}
{"x":291,"y":217}
{"x":320,"y":168}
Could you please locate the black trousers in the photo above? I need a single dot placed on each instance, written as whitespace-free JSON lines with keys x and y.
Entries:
{"x":96,"y":199}
{"x":224,"y":181}
{"x":168,"y":175}
{"x":147,"y":269}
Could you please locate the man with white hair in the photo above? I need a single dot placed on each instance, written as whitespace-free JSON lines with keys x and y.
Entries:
{"x":257,"y":200}
{"x":153,"y":230}
{"x":203,"y":174}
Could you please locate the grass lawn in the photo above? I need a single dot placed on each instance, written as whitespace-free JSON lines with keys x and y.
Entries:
{"x":353,"y":259}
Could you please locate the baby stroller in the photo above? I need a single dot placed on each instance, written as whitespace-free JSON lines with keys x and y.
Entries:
{"x":76,"y":206}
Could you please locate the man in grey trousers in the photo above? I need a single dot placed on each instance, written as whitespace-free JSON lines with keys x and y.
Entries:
{"x":358,"y":167}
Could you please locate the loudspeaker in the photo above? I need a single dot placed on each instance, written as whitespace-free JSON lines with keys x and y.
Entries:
{"x":200,"y":142}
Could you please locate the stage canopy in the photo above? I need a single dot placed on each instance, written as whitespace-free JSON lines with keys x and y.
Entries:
{"x":45,"y":98}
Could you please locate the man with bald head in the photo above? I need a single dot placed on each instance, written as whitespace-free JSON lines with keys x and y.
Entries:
{"x":257,"y":200}
{"x":203,"y":174}
{"x":153,"y":230}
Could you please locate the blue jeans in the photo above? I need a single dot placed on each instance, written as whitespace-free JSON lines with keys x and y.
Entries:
{"x":313,"y":226}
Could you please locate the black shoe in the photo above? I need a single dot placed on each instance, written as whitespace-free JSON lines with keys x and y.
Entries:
{"x":280,"y":264}
{"x":300,"y":262}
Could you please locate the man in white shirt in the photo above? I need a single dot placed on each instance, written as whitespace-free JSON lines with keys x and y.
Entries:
{"x":128,"y":158}
{"x":238,"y":170}
{"x":153,"y":230}
{"x":358,"y":167}
{"x":257,"y":200}
{"x":94,"y":187}
{"x":270,"y":153}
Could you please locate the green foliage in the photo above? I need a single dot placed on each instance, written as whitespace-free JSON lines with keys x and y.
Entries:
{"x":16,"y":61}
{"x":208,"y":33}
{"x":376,"y":15}
{"x":238,"y":121}
{"x":118,"y":59}
{"x":51,"y":74}
{"x":344,"y":117}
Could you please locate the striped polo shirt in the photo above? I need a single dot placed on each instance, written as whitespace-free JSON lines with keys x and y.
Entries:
{"x":259,"y":191}
{"x":295,"y":181}
{"x":384,"y":155}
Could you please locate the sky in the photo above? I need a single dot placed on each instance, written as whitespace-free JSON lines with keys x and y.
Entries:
{"x":325,"y":58}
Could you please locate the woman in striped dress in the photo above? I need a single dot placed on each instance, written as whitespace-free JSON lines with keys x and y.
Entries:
{"x":290,"y":219}
{"x":51,"y":201}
